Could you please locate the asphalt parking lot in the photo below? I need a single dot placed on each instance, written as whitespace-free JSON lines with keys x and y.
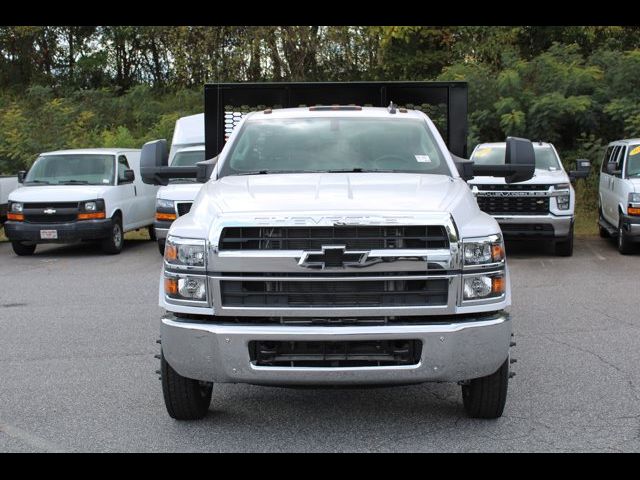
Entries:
{"x":77,"y":345}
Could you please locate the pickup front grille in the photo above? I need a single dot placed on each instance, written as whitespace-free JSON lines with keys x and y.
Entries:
{"x":513,"y":205}
{"x":356,"y":293}
{"x":183,"y":208}
{"x":363,"y":353}
{"x":514,"y":187}
{"x":353,"y":237}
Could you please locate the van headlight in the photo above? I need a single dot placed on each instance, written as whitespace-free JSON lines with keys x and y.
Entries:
{"x":483,"y":251}
{"x":16,"y":207}
{"x":185,"y":252}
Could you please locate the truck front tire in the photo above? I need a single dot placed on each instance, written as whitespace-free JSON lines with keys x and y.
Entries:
{"x":161,"y":247}
{"x":564,"y":248}
{"x":23,"y":250}
{"x":485,"y":397}
{"x":113,"y":243}
{"x":185,"y":398}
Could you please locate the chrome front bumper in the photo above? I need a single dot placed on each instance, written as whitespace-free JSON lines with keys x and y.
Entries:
{"x":451,"y":351}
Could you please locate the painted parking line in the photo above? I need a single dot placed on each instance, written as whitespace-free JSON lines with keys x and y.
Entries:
{"x":30,"y":439}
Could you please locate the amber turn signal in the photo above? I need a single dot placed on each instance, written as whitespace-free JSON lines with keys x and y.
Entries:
{"x":165,"y":216}
{"x":18,"y":217}
{"x":91,"y":216}
{"x":497,"y":252}
{"x":497,"y":285}
{"x":633,"y":211}
{"x":170,"y":251}
{"x":171,"y":286}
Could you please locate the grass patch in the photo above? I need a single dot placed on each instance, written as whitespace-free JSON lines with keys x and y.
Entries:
{"x":2,"y":237}
{"x":586,"y":224}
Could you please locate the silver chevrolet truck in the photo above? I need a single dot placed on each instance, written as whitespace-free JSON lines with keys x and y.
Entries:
{"x":335,"y":246}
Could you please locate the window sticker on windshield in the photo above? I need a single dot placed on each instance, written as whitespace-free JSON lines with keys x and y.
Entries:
{"x":483,"y":152}
{"x":105,"y":180}
{"x":423,"y":158}
{"x":635,"y":151}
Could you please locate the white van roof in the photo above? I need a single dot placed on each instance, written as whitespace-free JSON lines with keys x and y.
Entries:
{"x":189,"y":130}
{"x":89,"y":151}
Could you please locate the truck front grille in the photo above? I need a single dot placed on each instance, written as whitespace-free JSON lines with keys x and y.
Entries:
{"x":356,"y":293}
{"x":514,"y":187}
{"x":369,"y":353}
{"x":353,"y":237}
{"x":513,"y":205}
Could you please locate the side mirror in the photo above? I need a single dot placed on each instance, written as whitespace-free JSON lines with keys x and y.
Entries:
{"x":205,"y":169}
{"x":583,"y":167}
{"x":128,"y":177}
{"x":21,"y":175}
{"x":611,"y":168}
{"x":519,"y":162}
{"x":154,"y":156}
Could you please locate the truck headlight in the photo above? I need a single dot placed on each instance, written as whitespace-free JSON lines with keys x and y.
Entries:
{"x":16,"y":207}
{"x":482,"y":251}
{"x":162,"y":204}
{"x":184,"y":252}
{"x":563,"y":202}
{"x":478,"y":287}
{"x":186,"y":288}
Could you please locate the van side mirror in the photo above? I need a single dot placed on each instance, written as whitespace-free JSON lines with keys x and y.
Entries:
{"x":128,"y":176}
{"x":21,"y":175}
{"x":519,"y":162}
{"x":583,"y":167}
{"x":611,"y":168}
{"x":205,"y":169}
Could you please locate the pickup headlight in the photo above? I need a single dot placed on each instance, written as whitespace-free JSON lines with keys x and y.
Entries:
{"x":483,"y":251}
{"x":478,"y":287}
{"x":162,"y":204}
{"x":563,"y":202}
{"x":16,"y":207}
{"x":186,"y":287}
{"x":185,"y":252}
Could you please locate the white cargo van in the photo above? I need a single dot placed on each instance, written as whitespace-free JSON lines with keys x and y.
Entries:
{"x":175,"y":199}
{"x":75,"y":195}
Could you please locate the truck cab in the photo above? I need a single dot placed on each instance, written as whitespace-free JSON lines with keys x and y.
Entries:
{"x":335,"y":246}
{"x":619,"y":194}
{"x":539,"y":208}
{"x":69,"y":196}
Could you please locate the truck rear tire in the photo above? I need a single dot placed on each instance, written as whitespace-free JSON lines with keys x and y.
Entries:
{"x":185,"y":398}
{"x":564,"y":248}
{"x":112,"y":245}
{"x":625,"y":246}
{"x":23,"y":250}
{"x":485,"y":397}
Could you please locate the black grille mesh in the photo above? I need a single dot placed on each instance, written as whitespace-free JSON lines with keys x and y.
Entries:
{"x":513,"y":205}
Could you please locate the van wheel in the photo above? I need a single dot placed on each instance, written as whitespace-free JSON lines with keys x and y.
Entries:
{"x":23,"y":250}
{"x":161,"y":244}
{"x":624,"y":245}
{"x":485,"y":397}
{"x":564,"y":248}
{"x":113,"y":243}
{"x":185,"y":398}
{"x":152,"y":233}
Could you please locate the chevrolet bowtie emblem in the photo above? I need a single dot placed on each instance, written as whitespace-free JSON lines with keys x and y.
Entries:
{"x":49,"y":211}
{"x":333,"y":256}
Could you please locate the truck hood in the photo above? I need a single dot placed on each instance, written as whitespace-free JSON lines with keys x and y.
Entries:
{"x":179,"y":191}
{"x":540,"y":176}
{"x":58,"y":193}
{"x":335,"y":191}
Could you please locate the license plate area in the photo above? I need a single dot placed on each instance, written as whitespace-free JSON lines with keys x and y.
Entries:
{"x":49,"y":234}
{"x":361,"y":353}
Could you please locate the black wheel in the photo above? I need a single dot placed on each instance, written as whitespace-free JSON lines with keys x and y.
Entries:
{"x":485,"y":397}
{"x":624,"y":245}
{"x":564,"y":248}
{"x":603,"y":232}
{"x":161,"y":247}
{"x":185,"y":398}
{"x":152,"y":233}
{"x":113,"y":243}
{"x":23,"y":250}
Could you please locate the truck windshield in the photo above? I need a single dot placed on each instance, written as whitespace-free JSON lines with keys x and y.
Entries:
{"x":72,"y":169}
{"x":633,"y":161}
{"x":186,"y":159}
{"x":331,"y":144}
{"x":546,"y":158}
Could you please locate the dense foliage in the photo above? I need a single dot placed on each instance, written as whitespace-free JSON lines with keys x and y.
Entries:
{"x":105,"y":86}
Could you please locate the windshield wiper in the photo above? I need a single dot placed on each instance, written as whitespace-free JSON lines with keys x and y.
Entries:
{"x":357,"y":170}
{"x":39,"y":181}
{"x":74,"y":182}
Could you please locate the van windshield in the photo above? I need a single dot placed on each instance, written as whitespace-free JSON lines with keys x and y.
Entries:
{"x":546,"y":158}
{"x":332,"y":144}
{"x":187,"y":159}
{"x":72,"y":169}
{"x":633,"y":161}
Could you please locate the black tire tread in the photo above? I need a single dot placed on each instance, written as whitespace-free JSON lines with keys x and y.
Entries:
{"x":23,"y":250}
{"x":625,"y":247}
{"x":485,"y":397}
{"x":107,"y":244}
{"x":182,"y":396}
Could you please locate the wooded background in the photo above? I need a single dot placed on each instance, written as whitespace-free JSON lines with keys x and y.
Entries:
{"x":75,"y":86}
